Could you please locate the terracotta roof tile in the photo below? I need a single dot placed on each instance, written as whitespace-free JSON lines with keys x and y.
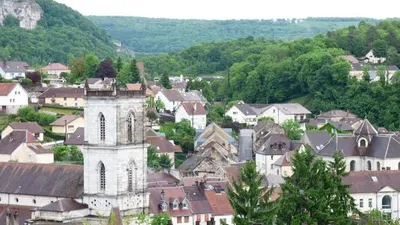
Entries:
{"x":55,"y":66}
{"x":162,"y":144}
{"x":137,"y":87}
{"x":38,"y":149}
{"x":12,"y":141}
{"x":6,"y":88}
{"x":170,"y":194}
{"x":219,"y":203}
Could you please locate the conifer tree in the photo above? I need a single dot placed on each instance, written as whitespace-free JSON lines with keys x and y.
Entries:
{"x":164,"y":81}
{"x":249,"y":199}
{"x":119,"y":64}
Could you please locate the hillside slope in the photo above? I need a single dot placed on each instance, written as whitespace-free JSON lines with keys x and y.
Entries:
{"x":60,"y":34}
{"x":151,"y":35}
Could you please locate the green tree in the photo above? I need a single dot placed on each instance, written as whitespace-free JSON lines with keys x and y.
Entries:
{"x":129,"y":74}
{"x":292,"y":129}
{"x":119,"y":64}
{"x":159,"y":105}
{"x":314,"y":194}
{"x":265,"y":118}
{"x":380,"y":48}
{"x":376,"y":217}
{"x":366,"y":72}
{"x":68,"y":154}
{"x":182,"y":134}
{"x":91,"y":65}
{"x":106,"y":69}
{"x":153,"y":160}
{"x":165,"y":162}
{"x":160,"y":219}
{"x":250,"y":199}
{"x":164,"y":81}
{"x":383,"y":79}
{"x":11,"y":21}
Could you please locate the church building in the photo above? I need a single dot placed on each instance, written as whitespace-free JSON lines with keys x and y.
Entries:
{"x":112,"y":183}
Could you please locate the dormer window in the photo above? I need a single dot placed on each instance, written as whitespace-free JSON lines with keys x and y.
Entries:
{"x":164,"y":206}
{"x":362,"y":142}
{"x":175,"y":205}
{"x":184,"y":204}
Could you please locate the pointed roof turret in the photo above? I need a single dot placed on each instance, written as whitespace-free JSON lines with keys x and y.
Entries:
{"x":365,"y":129}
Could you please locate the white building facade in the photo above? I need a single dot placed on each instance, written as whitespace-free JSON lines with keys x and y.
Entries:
{"x":192,"y":112}
{"x":12,"y":97}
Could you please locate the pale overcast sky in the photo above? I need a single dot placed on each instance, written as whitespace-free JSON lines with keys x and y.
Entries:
{"x":237,"y":9}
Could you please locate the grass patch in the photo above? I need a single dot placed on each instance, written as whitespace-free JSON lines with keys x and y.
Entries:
{"x":6,"y":119}
{"x":62,"y":111}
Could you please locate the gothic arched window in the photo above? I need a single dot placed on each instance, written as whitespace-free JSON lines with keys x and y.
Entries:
{"x":130,"y":127}
{"x":102,"y":177}
{"x":131,"y":169}
{"x":369,"y":165}
{"x":352,"y":165}
{"x":102,"y":127}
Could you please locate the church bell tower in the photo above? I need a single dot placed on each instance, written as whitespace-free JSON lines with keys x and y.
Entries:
{"x":115,"y":154}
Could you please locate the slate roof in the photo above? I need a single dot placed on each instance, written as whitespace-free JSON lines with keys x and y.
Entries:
{"x":366,"y":129}
{"x":245,"y":145}
{"x":38,"y":149}
{"x":63,"y":92}
{"x":292,"y":108}
{"x":193,"y":96}
{"x":194,"y":109}
{"x":316,"y":139}
{"x":64,"y":205}
{"x":172,"y":95}
{"x":76,"y":138}
{"x":162,"y":145}
{"x":246,"y":109}
{"x":170,"y":194}
{"x":286,"y":159}
{"x":336,"y":114}
{"x":161,"y":179}
{"x":55,"y":66}
{"x":65,"y":120}
{"x":13,"y":140}
{"x":36,"y":179}
{"x":32,"y":127}
{"x":197,"y":200}
{"x":14,"y":66}
{"x":219,"y":203}
{"x":6,"y":88}
{"x":362,"y":182}
{"x":276,"y":144}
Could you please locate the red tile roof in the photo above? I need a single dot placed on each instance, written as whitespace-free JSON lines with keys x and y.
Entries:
{"x":219,"y":203}
{"x":64,"y":120}
{"x":38,"y":149}
{"x":162,"y":144}
{"x":194,"y":108}
{"x":55,"y":66}
{"x":171,"y":194}
{"x":12,"y":141}
{"x":137,"y":87}
{"x":6,"y":88}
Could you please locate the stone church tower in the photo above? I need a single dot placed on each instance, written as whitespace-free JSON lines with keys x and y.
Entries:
{"x":115,"y":153}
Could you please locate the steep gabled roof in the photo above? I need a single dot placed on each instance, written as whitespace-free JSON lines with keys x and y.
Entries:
{"x":14,"y":66}
{"x":6,"y":88}
{"x":13,"y":140}
{"x":162,"y":144}
{"x":316,"y":139}
{"x":276,"y":144}
{"x":172,"y":95}
{"x":194,"y":109}
{"x":65,"y":120}
{"x":219,"y":203}
{"x":76,"y":138}
{"x":246,"y":109}
{"x":366,"y":129}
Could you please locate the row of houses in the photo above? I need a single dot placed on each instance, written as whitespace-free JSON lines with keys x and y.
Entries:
{"x":12,"y":70}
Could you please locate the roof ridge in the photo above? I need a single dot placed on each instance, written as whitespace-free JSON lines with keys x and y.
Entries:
{"x":387,"y":147}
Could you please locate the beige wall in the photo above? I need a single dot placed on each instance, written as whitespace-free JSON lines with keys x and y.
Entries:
{"x":24,"y":154}
{"x":69,"y":102}
{"x":5,"y":158}
{"x":80,"y":122}
{"x":9,"y":129}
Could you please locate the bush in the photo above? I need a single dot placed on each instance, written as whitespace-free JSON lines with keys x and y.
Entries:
{"x":68,"y":154}
{"x":28,"y":113}
{"x":26,"y":81}
{"x":35,"y":77}
{"x":51,"y":136}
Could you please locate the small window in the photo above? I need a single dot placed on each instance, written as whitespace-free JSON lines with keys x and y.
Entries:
{"x":361,"y":203}
{"x":10,"y":100}
{"x":175,"y":205}
{"x":277,"y":172}
{"x":65,"y":98}
{"x":164,"y":207}
{"x":16,"y":199}
{"x":272,"y":166}
{"x":34,"y":201}
{"x":235,"y":113}
{"x":387,"y":168}
{"x":386,"y":202}
{"x":273,"y":111}
{"x":369,"y":165}
{"x":378,"y":165}
{"x":76,"y":104}
{"x":370,"y":202}
{"x":102,"y":127}
{"x":184,"y":205}
{"x":352,"y":165}
{"x":179,"y":219}
{"x":102,"y":177}
{"x":76,"y":98}
{"x":272,"y":157}
{"x":19,"y":92}
{"x":186,"y":219}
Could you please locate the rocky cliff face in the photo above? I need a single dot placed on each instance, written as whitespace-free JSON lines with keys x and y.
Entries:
{"x":28,"y":12}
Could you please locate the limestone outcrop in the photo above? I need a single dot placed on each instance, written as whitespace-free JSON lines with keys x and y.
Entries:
{"x":28,"y":12}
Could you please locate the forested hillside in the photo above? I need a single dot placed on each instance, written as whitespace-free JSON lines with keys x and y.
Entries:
{"x":61,"y":34}
{"x":267,"y":71}
{"x":151,"y":35}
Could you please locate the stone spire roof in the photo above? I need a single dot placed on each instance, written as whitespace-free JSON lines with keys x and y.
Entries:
{"x":366,"y":130}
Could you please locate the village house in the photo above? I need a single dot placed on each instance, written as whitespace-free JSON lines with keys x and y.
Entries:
{"x":194,"y":96}
{"x":77,"y":138}
{"x":171,"y":99}
{"x":137,"y":87}
{"x":378,"y":190}
{"x":195,"y":113}
{"x":12,"y":97}
{"x":261,"y":131}
{"x":242,"y":113}
{"x":32,"y":127}
{"x":67,"y":97}
{"x":22,"y":146}
{"x":67,"y":124}
{"x":96,"y":83}
{"x":357,"y":71}
{"x":179,"y":86}
{"x":163,"y":146}
{"x":55,"y":69}
{"x":12,"y":70}
{"x":336,"y":121}
{"x":365,"y":149}
{"x":371,"y":58}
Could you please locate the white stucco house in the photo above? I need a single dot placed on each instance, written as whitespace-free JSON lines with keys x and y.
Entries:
{"x":376,"y":190}
{"x":12,"y":97}
{"x":282,"y":112}
{"x":371,"y":58}
{"x":171,"y":99}
{"x":195,"y":113}
{"x":242,"y":113}
{"x":11,"y":70}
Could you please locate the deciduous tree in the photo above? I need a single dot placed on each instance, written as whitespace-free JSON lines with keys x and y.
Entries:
{"x":106,"y":69}
{"x":292,"y":129}
{"x":91,"y":65}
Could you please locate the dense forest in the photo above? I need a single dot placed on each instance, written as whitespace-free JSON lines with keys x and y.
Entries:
{"x":152,"y":35}
{"x":61,"y":34}
{"x":308,"y":70}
